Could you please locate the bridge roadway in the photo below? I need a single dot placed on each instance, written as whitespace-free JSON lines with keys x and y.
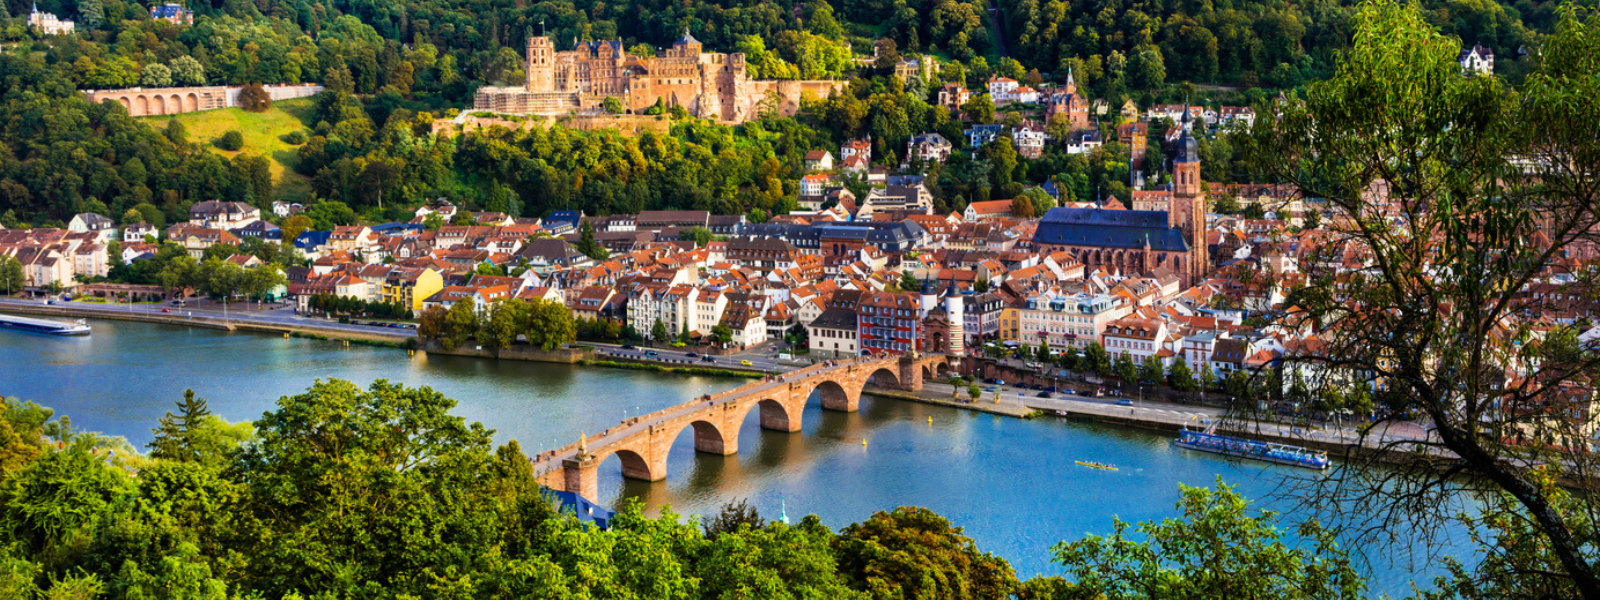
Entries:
{"x":642,"y":442}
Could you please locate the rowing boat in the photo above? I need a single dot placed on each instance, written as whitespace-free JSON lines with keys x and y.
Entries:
{"x":1095,"y":465}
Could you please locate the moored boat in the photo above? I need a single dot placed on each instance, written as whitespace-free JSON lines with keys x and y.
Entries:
{"x":78,"y":327}
{"x":1283,"y":454}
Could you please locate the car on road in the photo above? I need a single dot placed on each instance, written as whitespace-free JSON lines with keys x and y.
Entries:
{"x":709,"y":359}
{"x":1043,"y":394}
{"x":692,"y":354}
{"x":651,"y":353}
{"x":166,"y":310}
{"x":627,"y":346}
{"x":990,"y":388}
{"x":744,"y":363}
{"x":49,"y":301}
{"x":1124,"y":402}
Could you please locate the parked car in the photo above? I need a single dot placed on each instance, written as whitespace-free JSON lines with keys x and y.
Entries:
{"x":1124,"y":402}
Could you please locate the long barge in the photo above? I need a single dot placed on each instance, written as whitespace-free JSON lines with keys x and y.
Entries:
{"x":1283,"y":454}
{"x":78,"y":327}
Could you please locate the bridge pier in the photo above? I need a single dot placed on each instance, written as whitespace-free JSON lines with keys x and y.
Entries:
{"x":581,"y":476}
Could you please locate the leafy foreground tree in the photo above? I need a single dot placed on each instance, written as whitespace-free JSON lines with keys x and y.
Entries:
{"x":1461,"y":192}
{"x":1220,"y":548}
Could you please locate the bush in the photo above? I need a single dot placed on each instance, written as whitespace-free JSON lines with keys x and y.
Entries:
{"x":294,"y":137}
{"x":231,"y":141}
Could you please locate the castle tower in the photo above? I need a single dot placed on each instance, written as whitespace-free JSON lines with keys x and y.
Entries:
{"x":1072,"y":86}
{"x":1188,"y":209}
{"x":541,"y":64}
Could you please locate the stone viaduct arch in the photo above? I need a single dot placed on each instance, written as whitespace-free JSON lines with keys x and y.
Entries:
{"x":642,"y":444}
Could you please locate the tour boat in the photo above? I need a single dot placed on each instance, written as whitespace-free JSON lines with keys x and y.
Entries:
{"x":1283,"y":454}
{"x":1095,"y":465}
{"x":78,"y":327}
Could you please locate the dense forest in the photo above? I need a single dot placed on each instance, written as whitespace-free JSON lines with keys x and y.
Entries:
{"x":392,"y":68}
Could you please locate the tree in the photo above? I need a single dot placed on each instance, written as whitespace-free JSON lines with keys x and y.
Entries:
{"x":195,"y":435}
{"x":658,"y":332}
{"x":914,"y":554}
{"x":376,"y":177}
{"x":1181,"y":378}
{"x":324,"y":484}
{"x":1071,"y":360}
{"x":431,"y":324}
{"x":156,"y":75}
{"x":974,"y":392}
{"x":1219,"y":548}
{"x":1151,"y":370}
{"x":507,"y":317}
{"x":612,"y":105}
{"x":460,"y":324}
{"x":232,"y":141}
{"x":291,"y":228}
{"x":721,"y":334}
{"x":980,"y":109}
{"x":1487,"y":171}
{"x":187,"y":71}
{"x":550,"y":325}
{"x":586,"y":244}
{"x":1208,"y":378}
{"x":11,"y":275}
{"x":733,"y":516}
{"x":254,"y":98}
{"x":1096,"y":359}
{"x":909,"y":282}
{"x":1127,"y":370}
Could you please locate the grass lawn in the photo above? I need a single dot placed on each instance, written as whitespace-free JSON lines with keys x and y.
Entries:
{"x":262,"y":133}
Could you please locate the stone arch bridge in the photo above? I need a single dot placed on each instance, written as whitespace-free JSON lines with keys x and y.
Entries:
{"x":642,"y":443}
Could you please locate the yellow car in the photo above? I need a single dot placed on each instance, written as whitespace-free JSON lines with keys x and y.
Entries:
{"x":745,"y":363}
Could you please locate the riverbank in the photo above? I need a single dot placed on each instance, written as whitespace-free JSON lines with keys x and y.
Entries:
{"x":307,"y":329}
{"x":926,"y":397}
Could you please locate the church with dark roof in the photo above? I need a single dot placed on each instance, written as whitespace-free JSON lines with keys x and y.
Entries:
{"x":1138,"y":242}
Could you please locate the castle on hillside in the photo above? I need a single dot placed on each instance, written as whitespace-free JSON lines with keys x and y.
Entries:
{"x":708,"y":84}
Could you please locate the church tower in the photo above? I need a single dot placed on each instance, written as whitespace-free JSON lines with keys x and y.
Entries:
{"x":541,"y":64}
{"x":1188,"y":209}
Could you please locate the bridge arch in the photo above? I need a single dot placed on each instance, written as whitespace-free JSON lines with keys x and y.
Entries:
{"x":634,"y":465}
{"x":836,"y":397}
{"x":141,"y":106}
{"x":776,"y":415}
{"x":160,"y":105}
{"x":884,"y":377}
{"x":176,"y":104}
{"x":710,"y":438}
{"x":191,"y":102}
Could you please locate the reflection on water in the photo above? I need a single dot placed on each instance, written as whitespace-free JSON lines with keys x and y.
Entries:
{"x":1010,"y":483}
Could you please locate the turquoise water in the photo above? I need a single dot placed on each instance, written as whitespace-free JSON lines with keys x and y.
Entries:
{"x":1010,"y":483}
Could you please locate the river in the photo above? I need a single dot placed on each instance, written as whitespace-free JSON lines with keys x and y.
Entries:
{"x":1010,"y":483}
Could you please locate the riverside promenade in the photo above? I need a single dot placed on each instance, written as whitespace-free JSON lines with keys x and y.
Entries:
{"x":271,"y":321}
